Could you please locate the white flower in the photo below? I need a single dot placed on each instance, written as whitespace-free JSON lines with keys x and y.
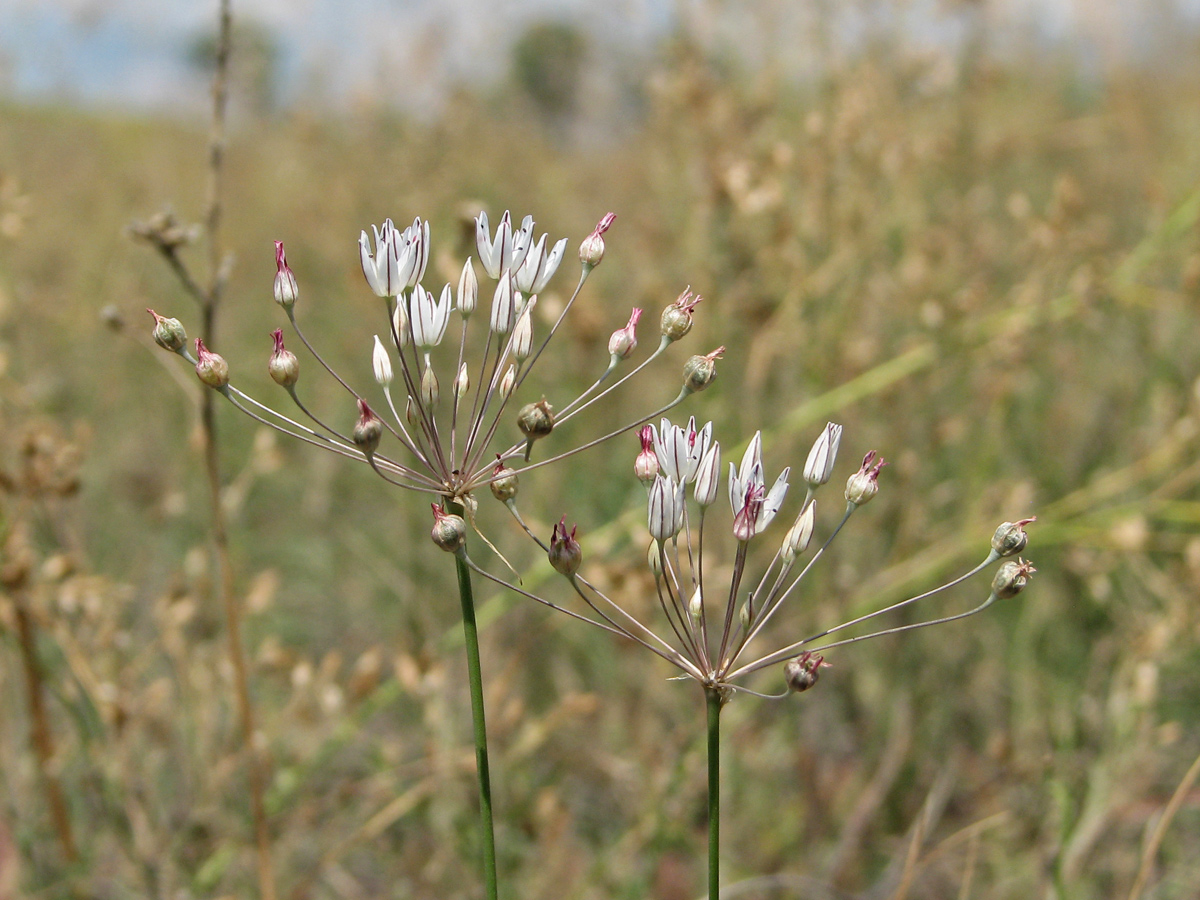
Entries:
{"x":429,"y":319}
{"x":665,"y":508}
{"x":399,"y":260}
{"x":822,"y":456}
{"x":539,"y":266}
{"x":506,"y":250}
{"x":381,"y":363}
{"x":503,"y":305}
{"x":680,"y":450}
{"x":753,"y":505}
{"x":708,"y":476}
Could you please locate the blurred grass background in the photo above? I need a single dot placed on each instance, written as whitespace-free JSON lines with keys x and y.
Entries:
{"x":985,"y":266}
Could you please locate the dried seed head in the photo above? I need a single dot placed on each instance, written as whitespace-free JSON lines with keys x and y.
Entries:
{"x":565,"y":553}
{"x":1011,"y":538}
{"x":701,"y":371}
{"x":1011,"y":578}
{"x":449,"y":531}
{"x":168,"y":333}
{"x":536,"y":420}
{"x":863,"y":484}
{"x":504,"y":483}
{"x":283,"y":366}
{"x":677,"y":318}
{"x":802,"y":672}
{"x":286,"y":291}
{"x":368,"y":430}
{"x":211,"y":367}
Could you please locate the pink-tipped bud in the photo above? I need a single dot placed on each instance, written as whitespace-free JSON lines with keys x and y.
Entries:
{"x":565,"y":553}
{"x":368,"y":430}
{"x":591,"y":248}
{"x":286,"y":290}
{"x":168,"y":333}
{"x":1011,"y":538}
{"x":677,"y":318}
{"x":1011,"y":578}
{"x":449,"y":531}
{"x":624,"y":340}
{"x":863,"y":484}
{"x":504,"y":483}
{"x":283,"y":366}
{"x":646,"y":464}
{"x":701,"y":371}
{"x":211,"y":367}
{"x":802,"y":672}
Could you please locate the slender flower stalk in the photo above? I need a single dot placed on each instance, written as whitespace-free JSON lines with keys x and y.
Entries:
{"x":443,"y":443}
{"x":712,"y":629}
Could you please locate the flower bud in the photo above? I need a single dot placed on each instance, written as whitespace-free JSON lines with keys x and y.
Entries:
{"x":591,"y":248}
{"x":565,"y":553}
{"x":381,"y":363}
{"x":646,"y":464}
{"x":665,"y":508}
{"x":654,"y":559}
{"x":677,"y":318}
{"x":708,"y":476}
{"x":504,"y":483}
{"x":1011,"y":578}
{"x":368,"y":430}
{"x":701,"y":371}
{"x":468,"y":290}
{"x":508,"y":382}
{"x":1011,"y":538}
{"x":283,"y":366}
{"x":431,"y":391}
{"x":211,"y":367}
{"x":462,"y":382}
{"x":802,"y":672}
{"x":411,"y":414}
{"x":400,"y":323}
{"x":522,"y":337}
{"x":863,"y":484}
{"x":536,"y":420}
{"x":798,"y":536}
{"x":819,"y":467}
{"x":449,"y":531}
{"x":624,"y":340}
{"x":168,"y":333}
{"x":695,"y":606}
{"x":286,"y":291}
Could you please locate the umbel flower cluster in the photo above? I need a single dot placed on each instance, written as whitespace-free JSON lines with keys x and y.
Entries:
{"x":447,"y":390}
{"x":707,"y":629}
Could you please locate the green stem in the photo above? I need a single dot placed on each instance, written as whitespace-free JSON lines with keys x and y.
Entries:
{"x":475,"y":676}
{"x":715,"y":702}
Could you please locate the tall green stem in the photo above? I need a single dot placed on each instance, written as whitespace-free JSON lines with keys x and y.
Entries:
{"x":475,"y":677}
{"x":715,"y":702}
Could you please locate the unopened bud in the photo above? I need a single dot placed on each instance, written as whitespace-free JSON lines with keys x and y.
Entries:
{"x":286,"y":291}
{"x":591,"y":248}
{"x":565,"y":553}
{"x":802,"y":672}
{"x":462,"y":382}
{"x":449,"y":531}
{"x":368,"y":430}
{"x":677,"y":318}
{"x":708,"y":476}
{"x":283,"y":366}
{"x":522,"y":337}
{"x":468,"y":290}
{"x":624,"y":340}
{"x":822,"y":456}
{"x":431,"y":391}
{"x":400,"y":323}
{"x":504,"y":483}
{"x":536,"y":420}
{"x":1011,"y":578}
{"x":381,"y":363}
{"x":508,"y":382}
{"x":1011,"y":538}
{"x":411,"y":414}
{"x":696,"y":605}
{"x":744,"y":615}
{"x":701,"y":371}
{"x":646,"y":464}
{"x":863,"y":484}
{"x":798,"y":536}
{"x":168,"y":333}
{"x":654,"y":559}
{"x":211,"y":367}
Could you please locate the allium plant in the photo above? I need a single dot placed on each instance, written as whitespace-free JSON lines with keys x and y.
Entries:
{"x":710,"y":631}
{"x":445,"y":437}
